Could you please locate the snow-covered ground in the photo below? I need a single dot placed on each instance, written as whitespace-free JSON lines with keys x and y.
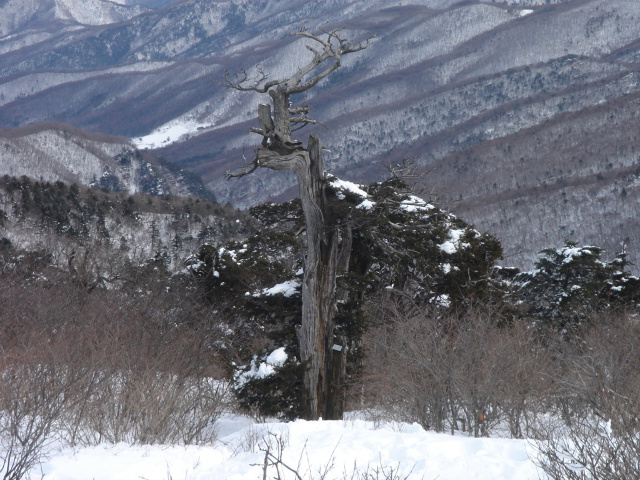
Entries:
{"x":167,"y":134}
{"x":310,"y":447}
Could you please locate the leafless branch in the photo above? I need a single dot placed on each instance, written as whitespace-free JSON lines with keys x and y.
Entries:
{"x":334,"y":46}
{"x":245,"y":83}
{"x":305,"y":123}
{"x":259,"y":131}
{"x":246,"y":169}
{"x":273,"y":449}
{"x":304,"y":109}
{"x":404,"y":170}
{"x":306,"y":120}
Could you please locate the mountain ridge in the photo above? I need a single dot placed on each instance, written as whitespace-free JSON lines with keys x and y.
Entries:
{"x":52,"y":152}
{"x":441,"y":77}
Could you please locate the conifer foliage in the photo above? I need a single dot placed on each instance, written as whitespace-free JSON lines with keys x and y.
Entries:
{"x":399,"y":244}
{"x":570,"y":282}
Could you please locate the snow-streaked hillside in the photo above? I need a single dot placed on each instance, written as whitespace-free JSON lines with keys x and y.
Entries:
{"x":111,"y":227}
{"x":440,"y":78}
{"x":17,"y":15}
{"x":310,"y":447}
{"x":95,"y":12}
{"x":55,"y":152}
{"x":147,"y":3}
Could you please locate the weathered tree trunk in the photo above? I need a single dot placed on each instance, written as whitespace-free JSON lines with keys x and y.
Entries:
{"x":325,"y":254}
{"x":315,"y":335}
{"x":317,"y":282}
{"x":281,"y":114}
{"x":328,"y":245}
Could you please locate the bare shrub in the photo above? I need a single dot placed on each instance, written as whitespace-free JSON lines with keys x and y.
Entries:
{"x":407,"y":374}
{"x":376,"y":473}
{"x":590,"y":450}
{"x":600,"y":439}
{"x":525,"y":389}
{"x":147,"y":381}
{"x":104,"y":366}
{"x":452,"y":371}
{"x":32,"y":398}
{"x":148,"y":408}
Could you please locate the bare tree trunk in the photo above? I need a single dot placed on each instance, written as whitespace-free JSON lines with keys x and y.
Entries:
{"x":282,"y":125}
{"x":315,"y":285}
{"x":326,"y":252}
{"x":328,"y":245}
{"x":315,"y":335}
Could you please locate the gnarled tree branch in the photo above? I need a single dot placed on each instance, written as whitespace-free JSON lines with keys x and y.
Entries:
{"x":330,"y":47}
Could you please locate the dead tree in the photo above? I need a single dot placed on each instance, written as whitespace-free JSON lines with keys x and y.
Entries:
{"x":328,"y":243}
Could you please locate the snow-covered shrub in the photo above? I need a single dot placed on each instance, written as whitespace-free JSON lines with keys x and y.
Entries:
{"x":570,"y":282}
{"x":271,"y":386}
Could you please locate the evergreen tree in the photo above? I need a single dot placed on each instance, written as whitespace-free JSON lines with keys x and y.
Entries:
{"x":570,"y":282}
{"x":397,"y":244}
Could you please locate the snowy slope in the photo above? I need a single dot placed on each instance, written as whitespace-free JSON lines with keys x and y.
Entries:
{"x":17,"y":15}
{"x":95,"y":12}
{"x":57,"y":152}
{"x":310,"y":447}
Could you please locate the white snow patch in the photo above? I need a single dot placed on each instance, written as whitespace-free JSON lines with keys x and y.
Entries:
{"x":345,"y":443}
{"x":443,"y":300}
{"x":453,"y":244}
{"x":570,"y":252}
{"x":167,"y":134}
{"x":288,"y":288}
{"x":263,"y":369}
{"x":366,"y":205}
{"x":455,"y":235}
{"x":351,"y":187}
{"x":277,"y":357}
{"x":448,"y":247}
{"x":415,"y":204}
{"x":232,"y":254}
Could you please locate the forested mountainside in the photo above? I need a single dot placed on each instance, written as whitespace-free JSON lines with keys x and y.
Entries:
{"x":587,"y":189}
{"x":443,"y":82}
{"x":53,"y":152}
{"x":99,"y":231}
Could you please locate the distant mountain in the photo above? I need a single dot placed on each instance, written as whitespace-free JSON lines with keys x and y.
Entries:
{"x":155,"y":4}
{"x":575,"y":177}
{"x":467,"y":88}
{"x":25,"y":17}
{"x":54,"y":152}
